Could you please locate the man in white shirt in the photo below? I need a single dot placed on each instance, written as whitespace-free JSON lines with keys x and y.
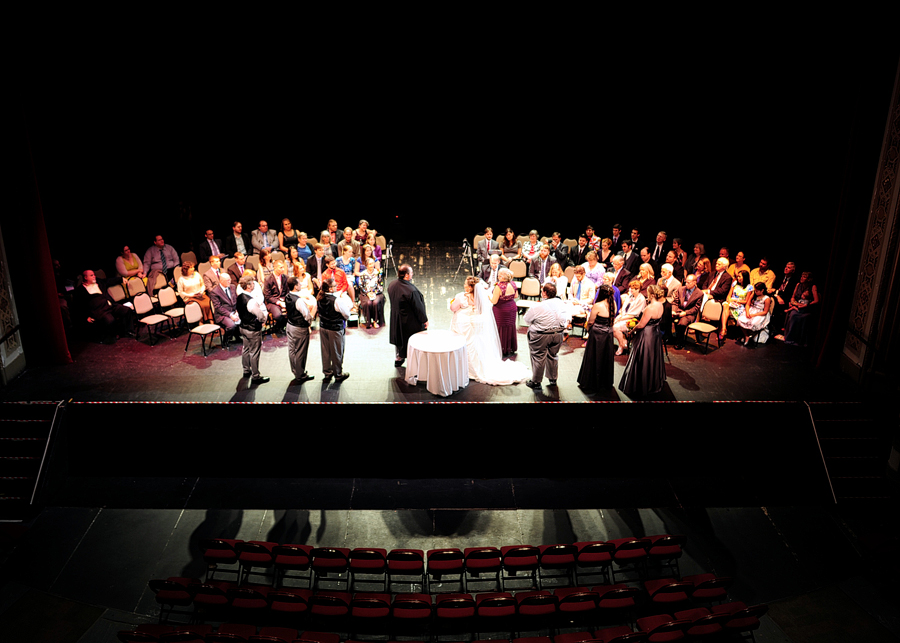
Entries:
{"x":300,"y":310}
{"x":252,"y":315}
{"x":547,"y":322}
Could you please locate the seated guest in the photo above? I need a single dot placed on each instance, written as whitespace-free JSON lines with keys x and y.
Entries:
{"x":559,"y":250}
{"x":94,"y":309}
{"x":266,"y":266}
{"x":690,"y":264}
{"x":782,"y":296}
{"x":647,"y":277}
{"x":376,"y":249}
{"x":755,"y":318}
{"x":633,"y":305}
{"x":593,"y":240}
{"x":362,"y":232}
{"x":617,"y":295}
{"x":347,"y":262}
{"x":287,"y":237}
{"x":703,"y":273}
{"x":686,"y":308}
{"x":621,"y":277}
{"x":606,"y":253}
{"x":332,"y":229}
{"x":327,"y":243}
{"x":236,"y":270}
{"x":677,"y":268}
{"x":291,"y":261}
{"x":128,"y":265}
{"x":658,"y":252}
{"x":365,"y":253}
{"x":738,"y":265}
{"x":159,"y":258}
{"x":718,"y":288}
{"x":511,"y":247}
{"x":491,"y":272}
{"x":579,"y":252}
{"x":303,"y":279}
{"x":725,"y":252}
{"x":209,"y":247}
{"x":630,"y":257}
{"x":274,"y":291}
{"x":680,"y":255}
{"x":339,"y":276}
{"x":532,"y":247}
{"x":668,"y":282}
{"x":648,"y":259}
{"x":635,"y":238}
{"x":191,"y":288}
{"x":304,"y":248}
{"x":263,"y":239}
{"x":763,"y":274}
{"x":540,"y":265}
{"x":316,"y":267}
{"x":803,"y":304}
{"x":616,"y":236}
{"x":594,"y":269}
{"x":739,"y":294}
{"x":348,"y":241}
{"x":582,"y":291}
{"x":557,"y":278}
{"x":371,"y":295}
{"x":224,"y":303}
{"x":211,"y":276}
{"x":237,"y":241}
{"x":486,"y":249}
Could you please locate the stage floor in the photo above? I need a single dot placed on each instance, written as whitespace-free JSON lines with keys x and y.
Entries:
{"x":133,"y":370}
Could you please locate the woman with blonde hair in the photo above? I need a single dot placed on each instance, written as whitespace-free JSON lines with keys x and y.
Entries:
{"x":191,"y":288}
{"x":503,"y":297}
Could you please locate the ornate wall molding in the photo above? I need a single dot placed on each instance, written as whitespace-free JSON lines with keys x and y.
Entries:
{"x":880,"y":250}
{"x":12,"y":356}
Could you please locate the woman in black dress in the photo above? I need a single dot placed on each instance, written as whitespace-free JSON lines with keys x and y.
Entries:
{"x":645,"y":373}
{"x":597,"y":364}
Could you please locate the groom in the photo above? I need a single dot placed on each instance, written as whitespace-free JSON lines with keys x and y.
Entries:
{"x":408,"y":315}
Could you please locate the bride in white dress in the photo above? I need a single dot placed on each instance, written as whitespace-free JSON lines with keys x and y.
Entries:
{"x":473,"y":318}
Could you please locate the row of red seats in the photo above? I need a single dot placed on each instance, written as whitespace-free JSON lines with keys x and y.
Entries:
{"x":566,"y":561}
{"x":697,"y":623}
{"x":388,"y":614}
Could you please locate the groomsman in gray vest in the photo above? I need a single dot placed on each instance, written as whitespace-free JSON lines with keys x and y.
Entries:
{"x":299,"y":310}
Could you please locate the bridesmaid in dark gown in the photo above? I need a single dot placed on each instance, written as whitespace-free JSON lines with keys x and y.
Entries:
{"x":504,"y":299}
{"x":645,"y":373}
{"x":597,"y":364}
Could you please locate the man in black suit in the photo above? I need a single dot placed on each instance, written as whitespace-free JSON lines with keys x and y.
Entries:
{"x":720,"y":284}
{"x":677,"y":268}
{"x":686,"y":308}
{"x":540,"y":266}
{"x":97,"y":312}
{"x":579,"y":252}
{"x":487,"y":247}
{"x":224,"y":301}
{"x":237,"y":241}
{"x":784,"y":290}
{"x":632,"y":260}
{"x":209,"y":247}
{"x":274,"y":291}
{"x":617,"y":237}
{"x":621,"y":277}
{"x":658,"y":252}
{"x":559,"y":250}
{"x":408,"y":315}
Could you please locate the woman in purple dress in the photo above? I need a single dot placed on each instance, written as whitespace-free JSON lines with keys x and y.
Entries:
{"x":504,"y":299}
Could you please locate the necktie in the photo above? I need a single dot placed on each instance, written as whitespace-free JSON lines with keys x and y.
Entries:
{"x":162,"y":256}
{"x":227,"y":294}
{"x":578,"y":292}
{"x":214,"y":247}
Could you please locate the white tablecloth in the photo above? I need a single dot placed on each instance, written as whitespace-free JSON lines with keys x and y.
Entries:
{"x":439,"y":358}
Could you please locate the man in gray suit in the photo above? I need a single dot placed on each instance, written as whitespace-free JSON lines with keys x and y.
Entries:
{"x":547,"y":322}
{"x":262,"y":237}
{"x":685,"y":308}
{"x":486,"y":248}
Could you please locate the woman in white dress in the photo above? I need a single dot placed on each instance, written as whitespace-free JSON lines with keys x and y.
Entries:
{"x":756,"y":315}
{"x":474,"y":319}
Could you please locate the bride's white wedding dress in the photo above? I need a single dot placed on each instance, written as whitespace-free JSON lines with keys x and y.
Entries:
{"x":477,"y":324}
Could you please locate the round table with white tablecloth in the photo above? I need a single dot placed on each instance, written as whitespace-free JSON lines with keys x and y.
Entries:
{"x":439,"y":358}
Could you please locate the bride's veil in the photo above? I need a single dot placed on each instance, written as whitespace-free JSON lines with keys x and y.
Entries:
{"x":489,"y":338}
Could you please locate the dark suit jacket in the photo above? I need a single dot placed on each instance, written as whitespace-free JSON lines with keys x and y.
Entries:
{"x":204,"y":252}
{"x":535,"y":269}
{"x":486,"y":272}
{"x":408,"y":314}
{"x":230,"y":245}
{"x":312,"y":269}
{"x":220,"y":302}
{"x":633,"y":263}
{"x":787,"y":292}
{"x":579,"y":255}
{"x":561,"y":254}
{"x":209,"y":279}
{"x":661,"y":259}
{"x":235,"y":271}
{"x":720,"y":293}
{"x":690,"y":305}
{"x":622,"y":280}
{"x":275,"y":288}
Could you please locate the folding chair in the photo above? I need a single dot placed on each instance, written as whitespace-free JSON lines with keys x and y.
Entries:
{"x":594,"y":558}
{"x":255,"y":554}
{"x":483,"y":560}
{"x":290,"y":558}
{"x":193,"y":314}
{"x":219,"y":551}
{"x":150,"y":320}
{"x":406,"y":562}
{"x":445,"y":562}
{"x":369,"y":562}
{"x":710,"y":322}
{"x":557,"y":558}
{"x":519,"y":558}
{"x":330,"y":561}
{"x":173,"y":592}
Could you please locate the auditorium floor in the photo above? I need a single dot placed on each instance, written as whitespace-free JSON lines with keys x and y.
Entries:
{"x":133,"y":370}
